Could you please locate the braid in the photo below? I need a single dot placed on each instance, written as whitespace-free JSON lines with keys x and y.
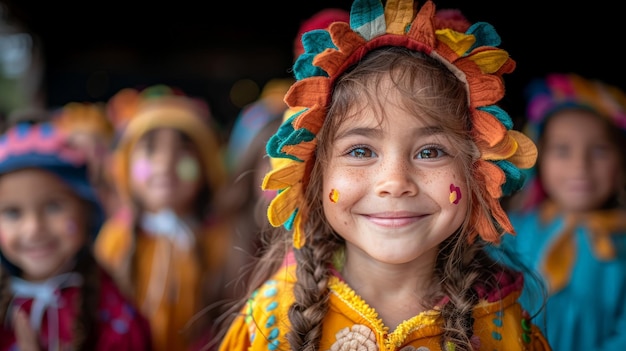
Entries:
{"x":311,"y":289}
{"x":311,"y":300}
{"x":457,"y":277}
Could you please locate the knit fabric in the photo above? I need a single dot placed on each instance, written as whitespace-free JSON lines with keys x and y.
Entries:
{"x":472,"y":55}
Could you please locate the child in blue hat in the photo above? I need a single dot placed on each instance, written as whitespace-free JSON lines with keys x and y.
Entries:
{"x":55,"y":296}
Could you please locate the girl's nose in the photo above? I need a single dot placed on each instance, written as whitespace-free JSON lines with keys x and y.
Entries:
{"x":32,"y":224}
{"x":396,"y":178}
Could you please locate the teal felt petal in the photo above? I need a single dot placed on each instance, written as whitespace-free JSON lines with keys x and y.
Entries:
{"x":314,"y":42}
{"x":367,"y":17}
{"x":303,"y":67}
{"x":485,"y":34}
{"x":275,"y":143}
{"x":298,"y":136}
{"x":289,"y":223}
{"x":515,"y":178}
{"x":500,"y":114}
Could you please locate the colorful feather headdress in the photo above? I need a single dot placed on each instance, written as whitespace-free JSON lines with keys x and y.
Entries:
{"x":469,"y":51}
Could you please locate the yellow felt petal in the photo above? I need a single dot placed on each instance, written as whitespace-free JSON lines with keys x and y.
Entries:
{"x":289,"y":174}
{"x":526,"y":154}
{"x":502,"y":150}
{"x":283,"y":205}
{"x":299,"y":237}
{"x":398,"y":15}
{"x":458,"y":42}
{"x":490,"y":61}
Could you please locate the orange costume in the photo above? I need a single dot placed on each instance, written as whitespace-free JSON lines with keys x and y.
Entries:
{"x":499,"y":321}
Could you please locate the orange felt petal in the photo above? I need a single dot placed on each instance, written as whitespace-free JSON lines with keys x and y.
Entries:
{"x":493,"y":177}
{"x":488,"y":128}
{"x":501,"y":151}
{"x":485,"y":89}
{"x":303,"y":151}
{"x":423,"y":28}
{"x":486,"y":230}
{"x":312,"y":119}
{"x":308,"y":92}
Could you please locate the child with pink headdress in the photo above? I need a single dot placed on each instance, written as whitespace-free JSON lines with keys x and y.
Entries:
{"x":391,"y":170}
{"x":571,"y":217}
{"x":54,"y":295}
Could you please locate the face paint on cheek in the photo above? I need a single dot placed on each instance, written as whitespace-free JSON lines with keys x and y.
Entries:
{"x":188,"y":169}
{"x":141,"y":170}
{"x":334,"y":196}
{"x":72,"y":228}
{"x":455,"y":194}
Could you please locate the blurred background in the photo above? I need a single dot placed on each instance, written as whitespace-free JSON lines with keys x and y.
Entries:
{"x":55,"y":52}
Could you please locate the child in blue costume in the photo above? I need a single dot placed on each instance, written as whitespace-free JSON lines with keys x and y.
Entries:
{"x":571,"y":220}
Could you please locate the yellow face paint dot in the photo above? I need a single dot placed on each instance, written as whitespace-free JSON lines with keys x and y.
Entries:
{"x":455,"y":194}
{"x":334,"y":196}
{"x":188,"y":169}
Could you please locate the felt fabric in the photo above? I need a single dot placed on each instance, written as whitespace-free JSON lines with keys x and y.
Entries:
{"x":473,"y":56}
{"x":499,"y":321}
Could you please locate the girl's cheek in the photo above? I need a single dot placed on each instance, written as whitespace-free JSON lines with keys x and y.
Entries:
{"x":72,"y":228}
{"x":141,"y":170}
{"x":188,"y":169}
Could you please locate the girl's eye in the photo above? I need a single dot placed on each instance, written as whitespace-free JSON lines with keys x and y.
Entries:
{"x":54,"y":207}
{"x":361,"y":152}
{"x":430,"y":152}
{"x":11,"y":213}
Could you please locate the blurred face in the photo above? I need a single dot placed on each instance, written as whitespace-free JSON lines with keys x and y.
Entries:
{"x":165,"y":171}
{"x":42,"y":225}
{"x":393,"y":190}
{"x":580,"y":165}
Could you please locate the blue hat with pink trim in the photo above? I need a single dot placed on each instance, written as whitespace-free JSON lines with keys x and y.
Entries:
{"x":46,"y":147}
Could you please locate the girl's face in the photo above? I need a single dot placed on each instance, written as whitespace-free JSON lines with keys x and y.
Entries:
{"x":42,"y":223}
{"x":165,"y":171}
{"x":393,"y":190}
{"x":580,"y":166}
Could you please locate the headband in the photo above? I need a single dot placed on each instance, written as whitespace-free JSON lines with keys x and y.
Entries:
{"x":469,"y":51}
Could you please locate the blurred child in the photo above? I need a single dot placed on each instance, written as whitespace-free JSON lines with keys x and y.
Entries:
{"x":166,"y":248}
{"x":54,"y":296}
{"x":90,"y":129}
{"x":389,"y":193}
{"x":571,"y":219}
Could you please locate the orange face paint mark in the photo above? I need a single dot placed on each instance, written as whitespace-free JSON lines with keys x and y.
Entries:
{"x":455,"y":194}
{"x":334,"y":196}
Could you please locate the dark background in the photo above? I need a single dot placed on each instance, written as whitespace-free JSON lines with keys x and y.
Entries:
{"x":94,"y":48}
